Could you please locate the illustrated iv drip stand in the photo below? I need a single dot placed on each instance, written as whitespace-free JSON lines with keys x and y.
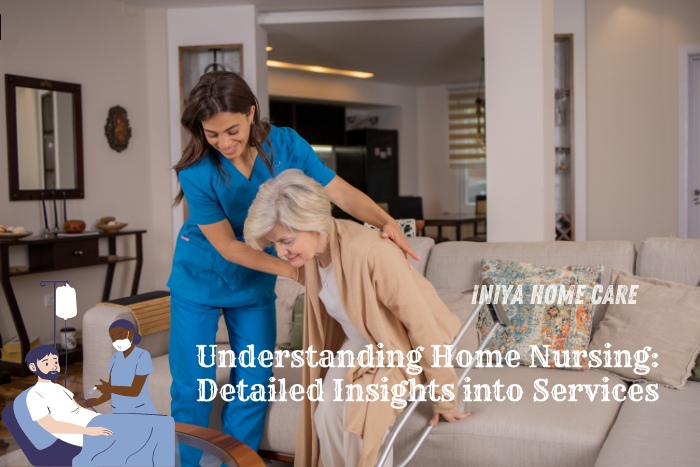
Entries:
{"x":55,"y":313}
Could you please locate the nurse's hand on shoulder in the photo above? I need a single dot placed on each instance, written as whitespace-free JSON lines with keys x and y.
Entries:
{"x":453,"y":416}
{"x":392,"y":231}
{"x":359,"y":205}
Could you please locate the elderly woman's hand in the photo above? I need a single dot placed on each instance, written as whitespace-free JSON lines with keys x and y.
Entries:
{"x":393,"y":231}
{"x":453,"y":416}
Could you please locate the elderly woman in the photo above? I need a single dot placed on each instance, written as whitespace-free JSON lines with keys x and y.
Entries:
{"x":360,"y":292}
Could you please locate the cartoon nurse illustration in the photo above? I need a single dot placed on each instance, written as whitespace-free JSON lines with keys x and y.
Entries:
{"x":128,"y":373}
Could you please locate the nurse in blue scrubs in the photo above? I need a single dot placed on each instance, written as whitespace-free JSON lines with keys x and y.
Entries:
{"x":128,"y":373}
{"x":231,"y":152}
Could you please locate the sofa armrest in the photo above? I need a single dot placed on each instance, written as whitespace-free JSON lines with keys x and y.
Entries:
{"x":97,"y":345}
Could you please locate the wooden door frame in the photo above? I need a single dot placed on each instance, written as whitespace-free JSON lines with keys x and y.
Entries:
{"x":685,"y":54}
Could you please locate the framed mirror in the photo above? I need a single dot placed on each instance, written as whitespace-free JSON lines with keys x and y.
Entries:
{"x":44,"y":138}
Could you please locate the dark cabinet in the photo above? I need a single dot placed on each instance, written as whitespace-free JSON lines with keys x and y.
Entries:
{"x":370,"y":163}
{"x":316,"y":123}
{"x":68,"y":254}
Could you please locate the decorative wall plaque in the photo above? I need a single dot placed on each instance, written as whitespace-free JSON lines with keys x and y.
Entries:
{"x":117,"y":128}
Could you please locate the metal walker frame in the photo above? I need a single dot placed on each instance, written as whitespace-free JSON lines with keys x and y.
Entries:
{"x":500,"y":319}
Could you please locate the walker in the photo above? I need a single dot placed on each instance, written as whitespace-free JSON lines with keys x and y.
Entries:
{"x":500,"y":319}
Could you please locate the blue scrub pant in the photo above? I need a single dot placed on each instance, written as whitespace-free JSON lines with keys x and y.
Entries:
{"x":194,"y":324}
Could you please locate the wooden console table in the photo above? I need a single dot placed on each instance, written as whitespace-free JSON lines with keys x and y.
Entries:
{"x":454,"y":221}
{"x":57,"y":253}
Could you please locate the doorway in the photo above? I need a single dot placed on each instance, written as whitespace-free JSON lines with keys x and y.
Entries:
{"x":689,"y":143}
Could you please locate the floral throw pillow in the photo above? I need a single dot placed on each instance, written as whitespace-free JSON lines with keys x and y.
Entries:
{"x":551,"y":323}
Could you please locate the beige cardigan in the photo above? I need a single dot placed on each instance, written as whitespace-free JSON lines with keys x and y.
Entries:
{"x":387,"y":302}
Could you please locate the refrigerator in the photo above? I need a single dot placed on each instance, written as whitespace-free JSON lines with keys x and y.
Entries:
{"x":370,"y":163}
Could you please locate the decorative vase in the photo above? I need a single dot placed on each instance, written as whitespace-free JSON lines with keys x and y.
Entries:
{"x":68,"y":339}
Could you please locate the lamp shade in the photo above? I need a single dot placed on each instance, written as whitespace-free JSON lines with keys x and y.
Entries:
{"x":66,"y":304}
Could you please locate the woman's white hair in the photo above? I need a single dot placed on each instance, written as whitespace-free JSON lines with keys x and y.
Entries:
{"x":291,"y":199}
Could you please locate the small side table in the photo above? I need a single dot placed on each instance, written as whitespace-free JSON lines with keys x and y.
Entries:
{"x":228,"y":450}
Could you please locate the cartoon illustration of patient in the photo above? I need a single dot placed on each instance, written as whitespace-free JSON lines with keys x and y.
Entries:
{"x":52,"y":406}
{"x":53,"y":429}
{"x":128,"y":373}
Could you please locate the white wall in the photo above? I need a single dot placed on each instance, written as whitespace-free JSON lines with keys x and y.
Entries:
{"x":159,"y":148}
{"x":519,"y":51}
{"x":301,"y":85}
{"x":633,"y":114}
{"x":100,"y":45}
{"x":437,"y":181}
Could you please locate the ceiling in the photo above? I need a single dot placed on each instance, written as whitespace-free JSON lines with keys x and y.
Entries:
{"x":415,"y":52}
{"x":300,"y":5}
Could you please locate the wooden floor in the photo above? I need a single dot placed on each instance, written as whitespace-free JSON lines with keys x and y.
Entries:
{"x":9,"y":391}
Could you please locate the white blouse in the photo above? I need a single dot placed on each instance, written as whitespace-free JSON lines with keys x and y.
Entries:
{"x":330,"y":297}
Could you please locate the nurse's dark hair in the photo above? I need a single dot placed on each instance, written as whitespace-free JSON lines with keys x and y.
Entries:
{"x":216,"y":92}
{"x":129,"y":326}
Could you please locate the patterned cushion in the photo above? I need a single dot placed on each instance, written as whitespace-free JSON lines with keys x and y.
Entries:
{"x":562,"y":325}
{"x":407,"y":225}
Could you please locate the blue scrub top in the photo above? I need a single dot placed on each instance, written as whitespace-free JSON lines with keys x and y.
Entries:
{"x":122,"y":371}
{"x":199,"y":273}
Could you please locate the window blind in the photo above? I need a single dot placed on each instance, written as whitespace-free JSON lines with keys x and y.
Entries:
{"x":465,"y":144}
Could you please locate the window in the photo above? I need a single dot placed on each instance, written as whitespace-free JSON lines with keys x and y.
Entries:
{"x":470,"y":182}
{"x":475,"y":177}
{"x":467,"y":150}
{"x":466,"y":142}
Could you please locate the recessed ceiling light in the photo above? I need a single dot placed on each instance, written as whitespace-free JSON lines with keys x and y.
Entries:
{"x":268,"y":48}
{"x":319,"y":69}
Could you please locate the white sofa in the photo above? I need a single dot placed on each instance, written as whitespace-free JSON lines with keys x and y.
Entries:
{"x":523,"y":433}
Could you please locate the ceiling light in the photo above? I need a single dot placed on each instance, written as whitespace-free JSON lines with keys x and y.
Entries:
{"x":322,"y":148}
{"x":319,"y":69}
{"x":268,"y":48}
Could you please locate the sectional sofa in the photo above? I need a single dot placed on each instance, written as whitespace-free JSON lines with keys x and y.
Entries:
{"x":526,"y":432}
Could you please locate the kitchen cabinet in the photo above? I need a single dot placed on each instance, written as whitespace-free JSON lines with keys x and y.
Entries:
{"x":321,"y":124}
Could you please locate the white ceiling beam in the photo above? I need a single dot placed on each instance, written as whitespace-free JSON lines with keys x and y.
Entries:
{"x":371,"y":14}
